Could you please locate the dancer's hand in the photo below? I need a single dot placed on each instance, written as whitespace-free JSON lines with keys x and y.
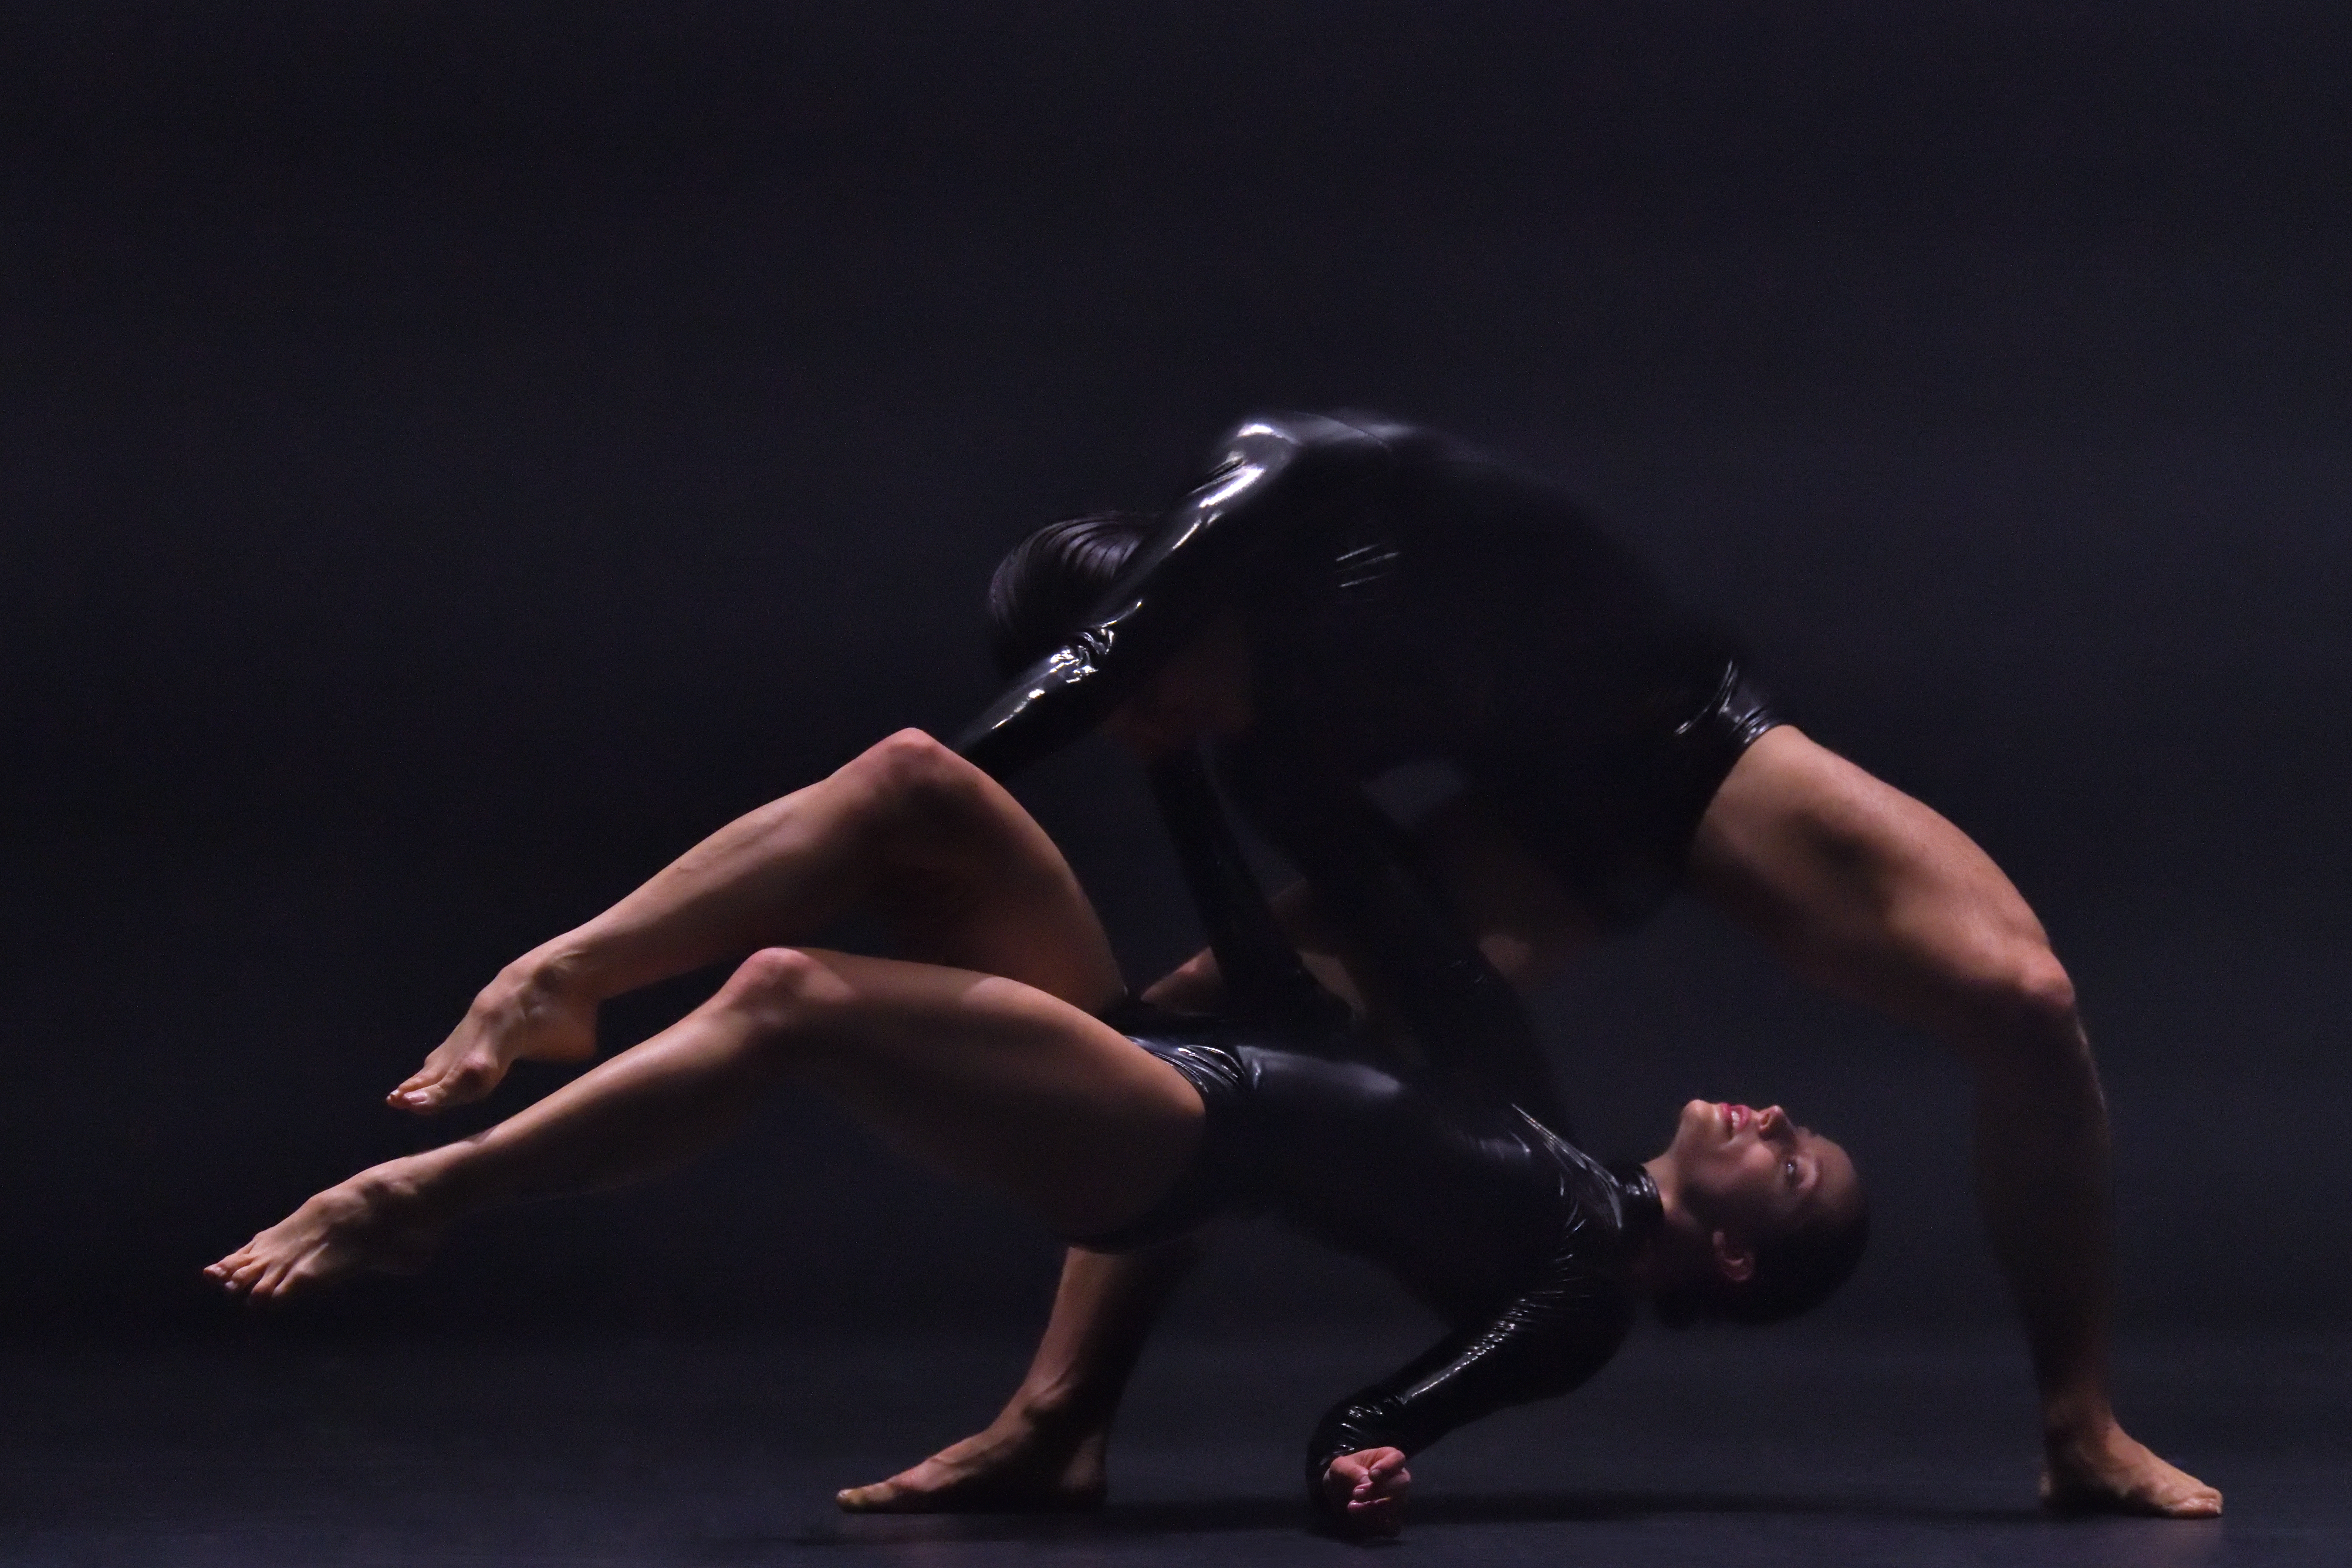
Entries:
{"x":527,"y":1013}
{"x":1366,"y":1492}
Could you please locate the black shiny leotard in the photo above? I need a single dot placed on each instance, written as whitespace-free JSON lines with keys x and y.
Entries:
{"x":1406,"y":599}
{"x":1409,"y":599}
{"x":1518,"y":1239}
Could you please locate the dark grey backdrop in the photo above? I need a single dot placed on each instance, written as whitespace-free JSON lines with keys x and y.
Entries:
{"x":455,"y":455}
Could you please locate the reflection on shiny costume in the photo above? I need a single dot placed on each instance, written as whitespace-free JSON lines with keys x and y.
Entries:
{"x":1518,"y":1239}
{"x":1405,"y":599}
{"x":1408,"y":599}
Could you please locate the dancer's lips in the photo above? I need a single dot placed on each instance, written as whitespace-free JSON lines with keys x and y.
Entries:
{"x":1734,"y":1118}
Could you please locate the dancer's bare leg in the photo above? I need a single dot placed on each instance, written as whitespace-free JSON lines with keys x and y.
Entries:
{"x":1875,"y":897}
{"x":1046,"y":1448}
{"x":906,"y":824}
{"x":974,"y":1073}
{"x":927,"y":1051}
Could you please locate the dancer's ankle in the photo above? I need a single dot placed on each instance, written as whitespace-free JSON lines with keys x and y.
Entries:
{"x":2077,"y":1419}
{"x":414,"y":1189}
{"x":1062,"y":1411}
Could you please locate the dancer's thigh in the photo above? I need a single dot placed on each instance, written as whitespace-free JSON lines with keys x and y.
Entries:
{"x":966,"y":878}
{"x":1866,"y":890}
{"x":993,"y":1080}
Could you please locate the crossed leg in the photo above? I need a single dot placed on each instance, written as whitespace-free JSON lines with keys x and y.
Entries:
{"x":995,"y":1076}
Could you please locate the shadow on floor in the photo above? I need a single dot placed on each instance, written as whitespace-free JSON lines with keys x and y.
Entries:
{"x":1212,"y":1515}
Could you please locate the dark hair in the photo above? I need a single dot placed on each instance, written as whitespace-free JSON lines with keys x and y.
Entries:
{"x":1047,"y":582}
{"x":1794,"y":1273}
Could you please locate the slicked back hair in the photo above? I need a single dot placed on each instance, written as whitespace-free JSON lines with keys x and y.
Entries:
{"x":1046,"y":584}
{"x":1793,"y":1274}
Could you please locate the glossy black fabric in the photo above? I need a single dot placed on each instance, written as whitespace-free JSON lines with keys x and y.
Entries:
{"x":1406,"y":598}
{"x":1517,"y":1239}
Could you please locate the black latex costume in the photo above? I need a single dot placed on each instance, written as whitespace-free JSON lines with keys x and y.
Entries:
{"x":1518,"y":1239}
{"x":1406,"y":599}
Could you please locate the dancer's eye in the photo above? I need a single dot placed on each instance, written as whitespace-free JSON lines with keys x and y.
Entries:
{"x":1789,"y":1169}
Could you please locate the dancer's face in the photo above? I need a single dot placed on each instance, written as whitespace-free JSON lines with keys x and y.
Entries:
{"x":1756,"y":1174}
{"x":1202,"y":693}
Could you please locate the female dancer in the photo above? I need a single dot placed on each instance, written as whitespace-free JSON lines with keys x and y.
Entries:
{"x":982,"y":1052}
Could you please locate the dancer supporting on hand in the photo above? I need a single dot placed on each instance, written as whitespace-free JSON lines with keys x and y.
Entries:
{"x":1342,"y":596}
{"x":981,"y":1053}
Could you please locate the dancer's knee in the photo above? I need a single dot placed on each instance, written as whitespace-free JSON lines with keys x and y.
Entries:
{"x":781,"y":990}
{"x":2018,"y":1010}
{"x":917,"y":786}
{"x":912,"y":768}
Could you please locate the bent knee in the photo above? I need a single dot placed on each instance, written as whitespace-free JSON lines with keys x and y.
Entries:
{"x":780,"y":987}
{"x":914,"y":764}
{"x":2018,"y":1004}
{"x":914,"y":781}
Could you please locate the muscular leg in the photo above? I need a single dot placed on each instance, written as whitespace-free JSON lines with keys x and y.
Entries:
{"x":982,"y":1074}
{"x":1048,"y":1449}
{"x":908,"y":827}
{"x":1875,"y":897}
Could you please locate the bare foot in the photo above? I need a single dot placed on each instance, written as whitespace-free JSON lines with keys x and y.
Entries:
{"x":1017,"y":1466}
{"x":2111,"y":1473}
{"x":527,"y":1013}
{"x":372,"y":1222}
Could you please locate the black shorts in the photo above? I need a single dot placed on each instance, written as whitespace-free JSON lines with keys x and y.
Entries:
{"x":1219,"y":1178}
{"x":1455,"y":1199}
{"x":1613,"y":816}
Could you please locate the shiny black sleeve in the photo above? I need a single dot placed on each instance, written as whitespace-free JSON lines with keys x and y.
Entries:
{"x":1265,"y":980}
{"x":1272,"y":475}
{"x":1468,"y":1020}
{"x":1552,"y":1337}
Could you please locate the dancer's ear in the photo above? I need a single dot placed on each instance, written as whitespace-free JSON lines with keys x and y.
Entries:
{"x":1735,"y":1261}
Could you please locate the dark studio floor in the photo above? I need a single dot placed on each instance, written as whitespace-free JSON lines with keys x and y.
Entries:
{"x":1807,"y":1447}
